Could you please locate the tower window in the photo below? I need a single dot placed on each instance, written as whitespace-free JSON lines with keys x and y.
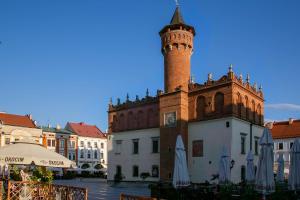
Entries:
{"x":155,"y":145}
{"x":155,"y":171}
{"x":243,"y":144}
{"x":243,"y":173}
{"x":135,"y":171}
{"x":135,"y":146}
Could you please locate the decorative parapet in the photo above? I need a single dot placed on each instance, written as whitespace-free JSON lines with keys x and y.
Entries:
{"x":227,"y":79}
{"x":133,"y":104}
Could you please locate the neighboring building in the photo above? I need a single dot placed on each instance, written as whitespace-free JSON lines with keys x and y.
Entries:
{"x":61,"y":140}
{"x":92,"y":142}
{"x":224,"y":112}
{"x":17,"y":127}
{"x":284,"y":133}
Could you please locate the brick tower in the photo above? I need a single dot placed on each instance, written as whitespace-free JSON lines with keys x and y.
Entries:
{"x":177,"y":48}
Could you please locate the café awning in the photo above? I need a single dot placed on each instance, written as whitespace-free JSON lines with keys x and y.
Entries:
{"x":27,"y":152}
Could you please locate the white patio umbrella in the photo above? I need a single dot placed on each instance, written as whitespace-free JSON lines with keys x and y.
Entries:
{"x":280,"y":169}
{"x":224,"y":167}
{"x":27,"y":152}
{"x":250,"y":173}
{"x":181,"y":175}
{"x":294,"y":175}
{"x":265,"y":176}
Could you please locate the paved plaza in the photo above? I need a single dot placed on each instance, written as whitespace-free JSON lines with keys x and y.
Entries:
{"x":99,"y":189}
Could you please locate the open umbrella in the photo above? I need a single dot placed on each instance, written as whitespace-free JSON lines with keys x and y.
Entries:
{"x":265,"y":176}
{"x":250,"y":173}
{"x":27,"y":152}
{"x":294,"y":175}
{"x":181,"y":175}
{"x":280,"y":169}
{"x":224,"y":167}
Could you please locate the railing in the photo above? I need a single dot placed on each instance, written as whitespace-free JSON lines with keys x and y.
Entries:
{"x":1,"y":193}
{"x":63,"y":192}
{"x":131,"y":197}
{"x":19,"y":190}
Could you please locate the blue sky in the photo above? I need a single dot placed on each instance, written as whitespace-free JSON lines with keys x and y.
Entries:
{"x":62,"y":60}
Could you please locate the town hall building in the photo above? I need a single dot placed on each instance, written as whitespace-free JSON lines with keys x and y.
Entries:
{"x":228,"y":111}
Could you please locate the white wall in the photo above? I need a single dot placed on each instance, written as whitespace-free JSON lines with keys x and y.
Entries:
{"x":215,"y":135}
{"x":238,"y":127}
{"x":144,"y":159}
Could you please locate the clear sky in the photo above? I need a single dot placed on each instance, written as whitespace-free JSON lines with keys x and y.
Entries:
{"x":62,"y":60}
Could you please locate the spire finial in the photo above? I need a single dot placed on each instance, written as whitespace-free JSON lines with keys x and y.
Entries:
{"x":147,"y":92}
{"x":231,"y":68}
{"x":127,"y":97}
{"x":177,"y":3}
{"x":110,"y":101}
{"x":209,"y":77}
{"x":248,"y":78}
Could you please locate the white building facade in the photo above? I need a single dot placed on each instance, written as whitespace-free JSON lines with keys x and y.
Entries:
{"x":284,"y":134}
{"x":133,"y":153}
{"x":17,"y":127}
{"x":91,"y":147}
{"x":234,"y":134}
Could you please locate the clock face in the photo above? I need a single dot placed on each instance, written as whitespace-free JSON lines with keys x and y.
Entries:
{"x":170,"y":119}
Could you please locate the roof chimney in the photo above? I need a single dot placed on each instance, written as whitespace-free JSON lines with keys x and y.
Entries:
{"x":291,"y":121}
{"x":269,"y":125}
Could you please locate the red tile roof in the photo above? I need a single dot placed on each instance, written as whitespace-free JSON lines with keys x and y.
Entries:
{"x":85,"y":130}
{"x":17,"y":120}
{"x":286,"y":129}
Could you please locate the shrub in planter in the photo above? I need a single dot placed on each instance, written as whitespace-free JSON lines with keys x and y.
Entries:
{"x":42,"y":174}
{"x":85,"y":166}
{"x":118,"y":177}
{"x":15,"y":174}
{"x":144,"y":175}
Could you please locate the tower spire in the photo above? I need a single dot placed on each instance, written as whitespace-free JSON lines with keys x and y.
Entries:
{"x":177,"y":17}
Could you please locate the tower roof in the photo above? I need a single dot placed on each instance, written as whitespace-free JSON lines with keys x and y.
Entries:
{"x":177,"y":22}
{"x":177,"y":17}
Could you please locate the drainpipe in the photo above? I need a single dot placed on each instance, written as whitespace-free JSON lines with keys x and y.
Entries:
{"x":251,"y":136}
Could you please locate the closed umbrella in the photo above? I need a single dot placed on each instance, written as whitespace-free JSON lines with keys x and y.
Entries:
{"x":250,"y":173}
{"x":265,"y":176}
{"x":280,"y":169}
{"x":27,"y":152}
{"x":294,"y":175}
{"x":224,"y":167}
{"x":181,"y":175}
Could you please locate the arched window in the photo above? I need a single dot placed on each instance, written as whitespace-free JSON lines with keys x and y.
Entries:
{"x":140,"y":119}
{"x":150,"y":118}
{"x":122,"y":122}
{"x":114,"y":123}
{"x":239,"y":104}
{"x":219,"y":102}
{"x":253,"y":111}
{"x":247,"y":107}
{"x":200,"y":107}
{"x":130,"y":121}
{"x":259,"y":114}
